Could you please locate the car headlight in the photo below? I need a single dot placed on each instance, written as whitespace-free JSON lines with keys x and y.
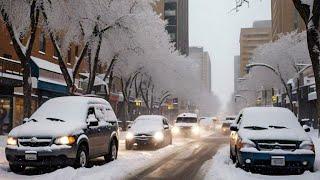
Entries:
{"x":158,"y":136}
{"x":12,"y":141}
{"x":65,"y":140}
{"x":308,"y":145}
{"x":195,"y":129}
{"x":175,"y":130}
{"x":129,"y":136}
{"x":247,"y":144}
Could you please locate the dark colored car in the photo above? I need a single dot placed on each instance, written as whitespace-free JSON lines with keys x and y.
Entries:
{"x":64,"y":131}
{"x":225,"y":128}
{"x":149,"y":130}
{"x":270,"y":137}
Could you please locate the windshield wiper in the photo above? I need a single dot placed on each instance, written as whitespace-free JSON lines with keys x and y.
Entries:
{"x":255,"y":127}
{"x":277,"y":127}
{"x":55,"y":119}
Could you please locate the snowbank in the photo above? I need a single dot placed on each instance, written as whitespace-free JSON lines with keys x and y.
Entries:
{"x":222,"y":168}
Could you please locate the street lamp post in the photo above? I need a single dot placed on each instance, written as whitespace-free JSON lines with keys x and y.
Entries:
{"x":275,"y":71}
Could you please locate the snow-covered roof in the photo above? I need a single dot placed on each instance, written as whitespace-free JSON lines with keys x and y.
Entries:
{"x":277,"y":123}
{"x":97,"y":82}
{"x":312,"y":96}
{"x":150,"y":117}
{"x":46,"y":65}
{"x":193,"y":115}
{"x":147,"y":124}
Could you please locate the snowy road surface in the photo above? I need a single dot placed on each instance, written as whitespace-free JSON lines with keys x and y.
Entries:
{"x":184,"y":163}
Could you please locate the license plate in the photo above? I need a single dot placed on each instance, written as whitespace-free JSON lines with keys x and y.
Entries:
{"x":278,"y":161}
{"x":31,"y":156}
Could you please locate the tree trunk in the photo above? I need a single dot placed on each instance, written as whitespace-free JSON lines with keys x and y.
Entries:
{"x":314,"y":47}
{"x":93,"y":72}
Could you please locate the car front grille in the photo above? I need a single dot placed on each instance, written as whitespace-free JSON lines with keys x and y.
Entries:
{"x":34,"y":142}
{"x":269,"y":145}
{"x":143,"y":136}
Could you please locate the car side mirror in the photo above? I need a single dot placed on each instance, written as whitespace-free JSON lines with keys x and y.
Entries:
{"x":306,"y":128}
{"x":234,"y":128}
{"x":166,"y":126}
{"x":92,"y":121}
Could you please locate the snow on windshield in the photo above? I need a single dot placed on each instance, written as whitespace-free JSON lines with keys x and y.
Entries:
{"x":61,"y":109}
{"x":146,"y":124}
{"x":269,"y":118}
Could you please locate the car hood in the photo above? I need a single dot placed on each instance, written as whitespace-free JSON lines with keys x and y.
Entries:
{"x":46,"y":129}
{"x":275,"y":134}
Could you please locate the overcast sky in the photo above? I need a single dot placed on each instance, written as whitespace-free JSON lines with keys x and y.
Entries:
{"x":217,"y":30}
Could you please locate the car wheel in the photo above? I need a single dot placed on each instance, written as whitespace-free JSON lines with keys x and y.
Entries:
{"x":82,"y":157}
{"x":129,"y":146}
{"x":237,"y":159}
{"x":17,"y":168}
{"x":113,"y":152}
{"x":232,"y":157}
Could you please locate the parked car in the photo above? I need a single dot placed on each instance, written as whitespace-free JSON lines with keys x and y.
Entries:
{"x":225,"y":127}
{"x":149,"y":130}
{"x":187,"y":125}
{"x":64,"y":131}
{"x":270,"y":137}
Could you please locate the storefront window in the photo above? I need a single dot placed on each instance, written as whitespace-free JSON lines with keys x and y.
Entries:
{"x":5,"y":115}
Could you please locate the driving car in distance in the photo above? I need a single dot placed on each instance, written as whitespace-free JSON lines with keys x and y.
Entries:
{"x":187,"y":125}
{"x":64,"y":131}
{"x":149,"y":130}
{"x":206,"y":123}
{"x":270,"y":137}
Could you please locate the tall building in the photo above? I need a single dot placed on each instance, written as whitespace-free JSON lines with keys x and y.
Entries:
{"x":236,"y":72}
{"x":285,"y":18}
{"x":203,"y":58}
{"x":176,"y":13}
{"x":250,"y":39}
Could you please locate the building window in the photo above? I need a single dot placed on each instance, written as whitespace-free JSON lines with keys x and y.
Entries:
{"x":69,"y":57}
{"x":7,"y":56}
{"x":42,"y":47}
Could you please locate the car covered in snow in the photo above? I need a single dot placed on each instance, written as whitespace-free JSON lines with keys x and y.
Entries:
{"x":270,"y":137}
{"x":149,"y":130}
{"x":187,"y":125}
{"x":64,"y":131}
{"x":206,"y":123}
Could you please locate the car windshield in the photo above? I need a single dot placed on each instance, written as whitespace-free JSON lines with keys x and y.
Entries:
{"x":186,"y":120}
{"x":269,"y":118}
{"x":66,"y":111}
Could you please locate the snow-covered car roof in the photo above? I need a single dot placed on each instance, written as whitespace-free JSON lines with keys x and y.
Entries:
{"x":147,"y":124}
{"x":275,"y":122}
{"x":192,"y":115}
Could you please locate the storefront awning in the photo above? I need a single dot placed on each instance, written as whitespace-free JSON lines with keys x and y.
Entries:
{"x":312,"y":96}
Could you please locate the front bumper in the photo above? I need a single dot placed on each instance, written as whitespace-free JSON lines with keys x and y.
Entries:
{"x":149,"y":141}
{"x":263,"y":160}
{"x":46,"y":156}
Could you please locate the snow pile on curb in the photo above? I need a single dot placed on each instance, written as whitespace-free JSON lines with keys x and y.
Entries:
{"x":222,"y":168}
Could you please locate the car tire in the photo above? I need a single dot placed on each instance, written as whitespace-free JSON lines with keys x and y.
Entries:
{"x":113,"y":152}
{"x":232,"y":157}
{"x":237,"y":160}
{"x":129,"y":146}
{"x":82,"y":157}
{"x":17,"y":168}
